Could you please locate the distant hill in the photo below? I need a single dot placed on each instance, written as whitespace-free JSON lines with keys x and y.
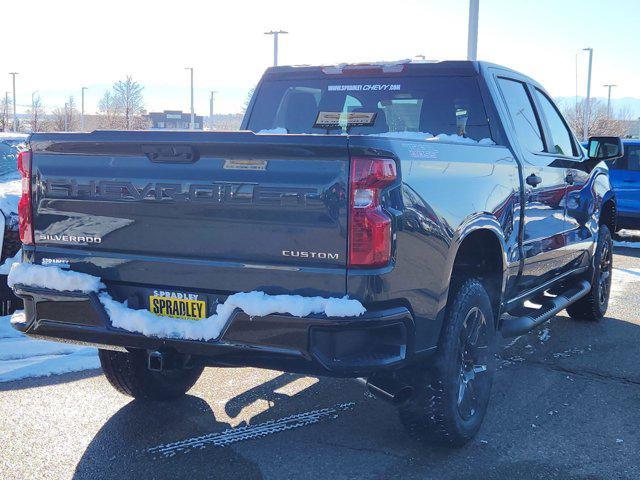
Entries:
{"x":630,"y":103}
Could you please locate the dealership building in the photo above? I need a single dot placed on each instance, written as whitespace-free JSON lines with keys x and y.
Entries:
{"x":174,"y":120}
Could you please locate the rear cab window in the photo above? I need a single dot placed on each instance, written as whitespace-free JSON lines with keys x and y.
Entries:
{"x":424,"y":105}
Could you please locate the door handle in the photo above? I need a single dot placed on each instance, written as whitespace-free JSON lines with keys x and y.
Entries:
{"x":534,"y":180}
{"x":569,"y":178}
{"x":170,"y":153}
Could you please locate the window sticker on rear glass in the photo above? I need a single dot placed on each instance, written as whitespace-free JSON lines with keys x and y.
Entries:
{"x":365,"y":87}
{"x":343,"y":119}
{"x":234,"y":164}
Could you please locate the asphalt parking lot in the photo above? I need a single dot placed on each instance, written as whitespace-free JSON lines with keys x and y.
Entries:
{"x":565,"y":405}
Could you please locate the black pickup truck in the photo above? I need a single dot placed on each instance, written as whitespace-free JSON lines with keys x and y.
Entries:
{"x":450,"y":199}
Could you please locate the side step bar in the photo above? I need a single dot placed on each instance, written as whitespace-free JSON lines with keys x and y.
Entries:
{"x":529,"y":318}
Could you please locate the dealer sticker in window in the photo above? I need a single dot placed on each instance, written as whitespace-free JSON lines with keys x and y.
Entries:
{"x":344,"y":119}
{"x":235,"y":164}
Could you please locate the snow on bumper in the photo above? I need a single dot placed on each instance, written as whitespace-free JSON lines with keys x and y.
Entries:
{"x":144,"y":322}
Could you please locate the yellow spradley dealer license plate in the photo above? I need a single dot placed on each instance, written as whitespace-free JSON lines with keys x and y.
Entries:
{"x":178,"y":307}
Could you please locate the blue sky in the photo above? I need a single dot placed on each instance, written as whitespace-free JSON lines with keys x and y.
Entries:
{"x":64,"y":45}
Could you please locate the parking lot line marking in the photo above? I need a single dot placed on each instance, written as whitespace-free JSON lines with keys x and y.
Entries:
{"x":249,"y":432}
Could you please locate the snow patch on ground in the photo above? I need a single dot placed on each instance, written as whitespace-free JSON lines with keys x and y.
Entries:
{"x":10,"y":191}
{"x":22,"y":357}
{"x":5,"y":268}
{"x":143,"y":321}
{"x":6,"y":330}
{"x":46,"y":365}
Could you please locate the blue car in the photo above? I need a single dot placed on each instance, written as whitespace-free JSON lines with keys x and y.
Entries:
{"x":625,"y":179}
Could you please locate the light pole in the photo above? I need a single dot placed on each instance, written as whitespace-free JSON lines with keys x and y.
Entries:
{"x":66,"y":125}
{"x":587,"y":107}
{"x":275,"y":34}
{"x":576,"y":84}
{"x":192,"y":124}
{"x":609,"y":87}
{"x":213,"y":92}
{"x":15,"y":116}
{"x":472,"y":39}
{"x":34,"y":118}
{"x":6,"y":111}
{"x":82,"y":109}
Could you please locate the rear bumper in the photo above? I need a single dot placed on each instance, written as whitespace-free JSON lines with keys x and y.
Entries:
{"x":344,"y":347}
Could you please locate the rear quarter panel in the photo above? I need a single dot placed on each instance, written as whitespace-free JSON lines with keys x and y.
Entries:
{"x":447,"y":191}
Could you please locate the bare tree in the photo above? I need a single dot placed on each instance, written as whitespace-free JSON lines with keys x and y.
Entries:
{"x":109,"y":112}
{"x":58,"y":122}
{"x":65,"y":118}
{"x":128,"y":98}
{"x":599,"y":121}
{"x":37,"y":114}
{"x":5,"y":112}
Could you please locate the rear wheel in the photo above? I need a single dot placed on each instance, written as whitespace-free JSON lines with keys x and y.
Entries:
{"x":593,"y":306}
{"x":451,"y":396}
{"x":127,"y":372}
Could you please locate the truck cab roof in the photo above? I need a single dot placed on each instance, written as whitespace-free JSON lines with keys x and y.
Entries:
{"x":404,"y":67}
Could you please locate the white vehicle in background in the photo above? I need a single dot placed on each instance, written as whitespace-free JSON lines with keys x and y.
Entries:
{"x":10,"y":145}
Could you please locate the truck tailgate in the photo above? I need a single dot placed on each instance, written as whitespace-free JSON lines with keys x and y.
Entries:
{"x":198,"y":210}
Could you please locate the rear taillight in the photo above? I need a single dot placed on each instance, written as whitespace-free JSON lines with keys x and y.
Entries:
{"x":369,"y":224}
{"x":24,"y":205}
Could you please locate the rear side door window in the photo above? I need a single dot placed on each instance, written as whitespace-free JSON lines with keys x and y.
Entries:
{"x":631,"y":159}
{"x":560,"y":142}
{"x":525,"y":121}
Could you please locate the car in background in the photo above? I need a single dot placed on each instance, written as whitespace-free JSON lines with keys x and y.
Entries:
{"x":10,"y":188}
{"x":13,"y":139}
{"x":625,"y":180}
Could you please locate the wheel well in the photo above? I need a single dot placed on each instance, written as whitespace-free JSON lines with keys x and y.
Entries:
{"x":608,"y":215}
{"x":480,"y":255}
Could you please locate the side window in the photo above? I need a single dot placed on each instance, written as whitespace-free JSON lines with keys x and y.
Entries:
{"x":561,"y":142}
{"x":618,"y":163}
{"x":522,"y":113}
{"x":632,"y":155}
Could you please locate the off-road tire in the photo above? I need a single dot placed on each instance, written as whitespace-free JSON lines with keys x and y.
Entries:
{"x":433,"y":412}
{"x":593,"y":306}
{"x":127,"y":372}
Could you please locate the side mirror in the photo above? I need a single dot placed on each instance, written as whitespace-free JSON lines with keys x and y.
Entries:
{"x":605,"y":148}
